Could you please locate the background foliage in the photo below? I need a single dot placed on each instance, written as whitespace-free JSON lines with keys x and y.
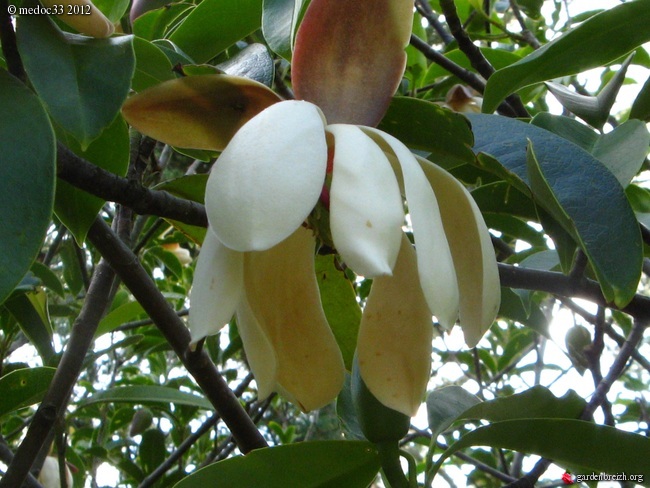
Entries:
{"x":100,"y":229}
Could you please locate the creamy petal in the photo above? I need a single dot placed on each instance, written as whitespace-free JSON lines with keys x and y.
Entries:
{"x":281,"y":289}
{"x":394,"y":345}
{"x":269,"y":177}
{"x":471,"y":247}
{"x":92,"y":22}
{"x":259,"y":350}
{"x":366,"y":208}
{"x":216,"y":289}
{"x":434,"y":258}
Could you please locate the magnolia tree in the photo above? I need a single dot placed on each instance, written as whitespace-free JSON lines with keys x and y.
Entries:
{"x":331,"y":243}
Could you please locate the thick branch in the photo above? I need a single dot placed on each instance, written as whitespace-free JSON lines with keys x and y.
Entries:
{"x":198,"y":363}
{"x":108,"y":186}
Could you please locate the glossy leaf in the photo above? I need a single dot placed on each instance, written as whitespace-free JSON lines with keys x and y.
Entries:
{"x":445,"y":405}
{"x":75,"y":208}
{"x":598,"y":215}
{"x":30,"y":311}
{"x":321,"y":464}
{"x":148,"y":394}
{"x":23,"y":387}
{"x":214,"y":25}
{"x":27,"y":155}
{"x":277,"y":25}
{"x":154,"y":24}
{"x":514,"y":308}
{"x":253,"y":62}
{"x":82,"y":81}
{"x":340,"y":305}
{"x":595,"y":42}
{"x":334,"y":40}
{"x":622,"y":150}
{"x":151,"y":65}
{"x":641,"y":106}
{"x":426,"y":126}
{"x":564,"y":441}
{"x":200,"y":112}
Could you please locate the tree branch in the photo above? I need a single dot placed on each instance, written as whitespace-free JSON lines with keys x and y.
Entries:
{"x":108,"y":186}
{"x":198,"y":363}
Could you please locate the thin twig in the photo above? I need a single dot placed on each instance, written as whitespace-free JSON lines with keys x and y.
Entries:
{"x":425,"y":10}
{"x":525,"y":32}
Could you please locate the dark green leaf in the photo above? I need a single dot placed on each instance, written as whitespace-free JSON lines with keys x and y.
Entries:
{"x":71,"y":268}
{"x":253,"y":62}
{"x":48,"y":278}
{"x":530,"y":315}
{"x":153,"y":25}
{"x":426,"y":126}
{"x":75,"y":208}
{"x":23,"y":387}
{"x":151,"y":65}
{"x":641,"y":105}
{"x":340,"y":305}
{"x":215,"y":25}
{"x":27,"y":157}
{"x":277,"y":25}
{"x":596,"y":213}
{"x":622,"y":150}
{"x":322,"y":464}
{"x":30,"y":311}
{"x":445,"y":405}
{"x":113,"y":9}
{"x":601,"y":39}
{"x":83,"y":81}
{"x":191,"y":188}
{"x":148,"y":394}
{"x":152,"y":450}
{"x":565,"y":441}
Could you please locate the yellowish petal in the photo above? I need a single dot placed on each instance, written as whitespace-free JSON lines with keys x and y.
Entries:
{"x":471,"y":248}
{"x":269,"y":178}
{"x":281,"y":288}
{"x":349,"y":57}
{"x":259,"y":350}
{"x":366,"y":208}
{"x":199,"y":112}
{"x":89,"y":20}
{"x":434,"y":258}
{"x":394,"y":346}
{"x":216,"y":289}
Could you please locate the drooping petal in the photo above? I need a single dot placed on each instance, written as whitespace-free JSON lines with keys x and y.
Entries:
{"x":89,"y":20}
{"x":216,"y":289}
{"x":434,"y":258}
{"x":281,"y":288}
{"x":349,"y":57}
{"x":259,"y":351}
{"x":366,"y":208}
{"x":471,"y":248}
{"x":269,"y":178}
{"x":394,"y":345}
{"x":199,"y":112}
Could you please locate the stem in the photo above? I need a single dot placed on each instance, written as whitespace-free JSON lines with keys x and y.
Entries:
{"x":389,"y":457}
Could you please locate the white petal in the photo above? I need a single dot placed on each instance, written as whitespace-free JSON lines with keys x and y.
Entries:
{"x":394,"y":346}
{"x":216,"y":289}
{"x":269,"y":177}
{"x":366,"y":208}
{"x":281,"y":288}
{"x":474,"y":258}
{"x":435,"y":264}
{"x":259,"y":350}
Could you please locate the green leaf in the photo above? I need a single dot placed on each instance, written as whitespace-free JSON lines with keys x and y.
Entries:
{"x":428,"y":127}
{"x":601,"y":39}
{"x":564,"y":441}
{"x":83,"y":81}
{"x":215,"y":25}
{"x":253,"y":62}
{"x":641,"y":106}
{"x":320,"y":464}
{"x":532,"y":8}
{"x":277,"y":25}
{"x":113,"y":9}
{"x":124,"y":313}
{"x":23,"y":387}
{"x":48,"y":278}
{"x":584,"y":196}
{"x":445,"y":405}
{"x":151,"y":65}
{"x":512,"y":307}
{"x":168,"y":260}
{"x":27,"y":159}
{"x":74,"y":207}
{"x":152,"y":451}
{"x":153,"y":25}
{"x":148,"y":394}
{"x":622,"y":150}
{"x":30,"y":311}
{"x":340,"y":305}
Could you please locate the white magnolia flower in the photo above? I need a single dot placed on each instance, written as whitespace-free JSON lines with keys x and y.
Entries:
{"x":257,"y":260}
